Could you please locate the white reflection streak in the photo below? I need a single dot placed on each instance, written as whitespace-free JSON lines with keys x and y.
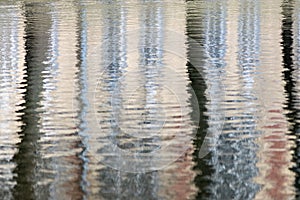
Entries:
{"x":248,"y":57}
{"x":60,"y":141}
{"x":11,"y":75}
{"x":52,"y":66}
{"x":150,"y":66}
{"x":50,"y":75}
{"x":214,"y":72}
{"x":114,"y":50}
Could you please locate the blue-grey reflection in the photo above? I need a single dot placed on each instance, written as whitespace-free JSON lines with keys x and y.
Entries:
{"x":234,"y":156}
{"x":248,"y":61}
{"x":114,"y":184}
{"x":150,"y":65}
{"x":214,"y":25}
{"x":214,"y":69}
{"x":215,"y":33}
{"x":118,"y":184}
{"x":221,"y":169}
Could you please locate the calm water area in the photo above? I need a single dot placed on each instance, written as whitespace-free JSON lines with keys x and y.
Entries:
{"x":150,"y":99}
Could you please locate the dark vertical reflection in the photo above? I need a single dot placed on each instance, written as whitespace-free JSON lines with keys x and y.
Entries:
{"x":220,"y":176}
{"x":28,"y":156}
{"x":196,"y":58}
{"x":287,"y":50}
{"x":213,"y":27}
{"x":289,"y":76}
{"x":296,"y":100}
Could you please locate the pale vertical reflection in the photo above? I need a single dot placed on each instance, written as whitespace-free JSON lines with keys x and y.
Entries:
{"x":50,"y":73}
{"x":119,"y":184}
{"x":142,"y":81}
{"x":11,"y":76}
{"x":60,"y":142}
{"x":90,"y":75}
{"x":215,"y":50}
{"x":114,"y":50}
{"x":274,"y":152}
{"x":112,"y":65}
{"x":239,"y":134}
{"x":146,"y":89}
{"x":248,"y":57}
{"x":82,"y":95}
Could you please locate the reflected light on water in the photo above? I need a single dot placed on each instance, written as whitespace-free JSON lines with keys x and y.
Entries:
{"x":149,"y":99}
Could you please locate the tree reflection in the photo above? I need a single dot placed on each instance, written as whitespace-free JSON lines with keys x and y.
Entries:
{"x":28,"y":156}
{"x":290,"y":77}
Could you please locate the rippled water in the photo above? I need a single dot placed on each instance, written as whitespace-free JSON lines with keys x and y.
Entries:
{"x":149,"y":99}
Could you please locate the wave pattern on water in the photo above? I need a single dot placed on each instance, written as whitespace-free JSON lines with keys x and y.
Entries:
{"x":149,"y":99}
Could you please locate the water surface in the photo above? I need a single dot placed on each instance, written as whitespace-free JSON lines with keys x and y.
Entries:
{"x":149,"y":99}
